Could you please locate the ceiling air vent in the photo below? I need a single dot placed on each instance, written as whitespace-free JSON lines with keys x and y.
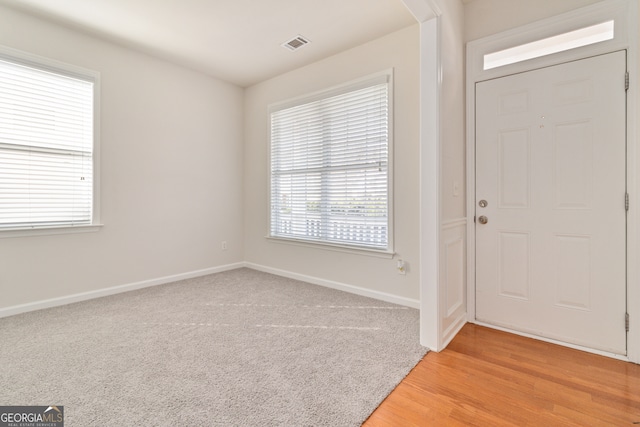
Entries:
{"x":295,"y":43}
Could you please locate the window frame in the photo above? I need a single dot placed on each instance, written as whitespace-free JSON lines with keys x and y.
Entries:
{"x":340,"y":89}
{"x":57,"y":67}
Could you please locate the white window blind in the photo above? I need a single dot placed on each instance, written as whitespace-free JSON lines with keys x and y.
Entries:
{"x":46,"y":147}
{"x":330,"y":168}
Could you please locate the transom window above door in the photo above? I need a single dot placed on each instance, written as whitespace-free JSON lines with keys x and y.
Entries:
{"x":562,"y":42}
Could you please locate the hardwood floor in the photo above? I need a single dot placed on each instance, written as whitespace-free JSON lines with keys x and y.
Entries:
{"x":491,"y":378}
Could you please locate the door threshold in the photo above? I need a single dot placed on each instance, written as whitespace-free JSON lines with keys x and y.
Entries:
{"x":553,"y":341}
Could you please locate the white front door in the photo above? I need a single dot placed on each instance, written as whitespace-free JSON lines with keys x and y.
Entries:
{"x":550,"y":173}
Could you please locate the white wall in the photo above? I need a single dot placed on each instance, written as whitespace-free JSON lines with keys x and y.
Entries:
{"x":400,"y":51}
{"x":171,"y":162}
{"x":453,"y":239}
{"x":452,"y":110}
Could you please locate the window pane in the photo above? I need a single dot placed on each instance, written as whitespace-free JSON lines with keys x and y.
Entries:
{"x":329,"y":169}
{"x":46,"y":148}
{"x":560,"y":43}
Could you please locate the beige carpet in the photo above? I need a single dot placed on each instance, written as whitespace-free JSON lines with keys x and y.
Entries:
{"x":240,"y":348}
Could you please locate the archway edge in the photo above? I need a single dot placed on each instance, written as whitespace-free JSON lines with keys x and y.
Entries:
{"x":427,"y":13}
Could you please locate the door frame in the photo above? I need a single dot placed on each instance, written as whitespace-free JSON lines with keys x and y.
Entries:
{"x":624,"y":13}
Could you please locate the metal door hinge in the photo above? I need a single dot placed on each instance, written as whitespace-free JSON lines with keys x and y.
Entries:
{"x":626,"y":322}
{"x":626,"y":201}
{"x":626,"y":81}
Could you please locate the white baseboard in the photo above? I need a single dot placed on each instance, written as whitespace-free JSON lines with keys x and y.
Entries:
{"x":84,"y":296}
{"x":452,"y":331}
{"x":69,"y":299}
{"x":382,"y":296}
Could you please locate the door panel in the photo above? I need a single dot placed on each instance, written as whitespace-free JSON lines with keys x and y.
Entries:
{"x":514,"y":255}
{"x":514,"y":180}
{"x":550,"y":163}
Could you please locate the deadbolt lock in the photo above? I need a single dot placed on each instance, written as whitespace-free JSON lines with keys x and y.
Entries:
{"x":483,"y":203}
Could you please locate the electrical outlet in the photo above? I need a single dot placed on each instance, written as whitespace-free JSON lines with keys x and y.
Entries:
{"x":223,"y":245}
{"x":402,"y":267}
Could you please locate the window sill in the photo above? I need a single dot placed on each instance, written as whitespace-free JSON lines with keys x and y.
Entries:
{"x":27,"y":232}
{"x":377,"y":253}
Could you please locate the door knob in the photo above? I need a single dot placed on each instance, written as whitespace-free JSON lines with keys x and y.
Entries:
{"x":483,"y":219}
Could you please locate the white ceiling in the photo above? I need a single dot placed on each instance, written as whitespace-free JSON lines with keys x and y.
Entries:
{"x":235,"y":40}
